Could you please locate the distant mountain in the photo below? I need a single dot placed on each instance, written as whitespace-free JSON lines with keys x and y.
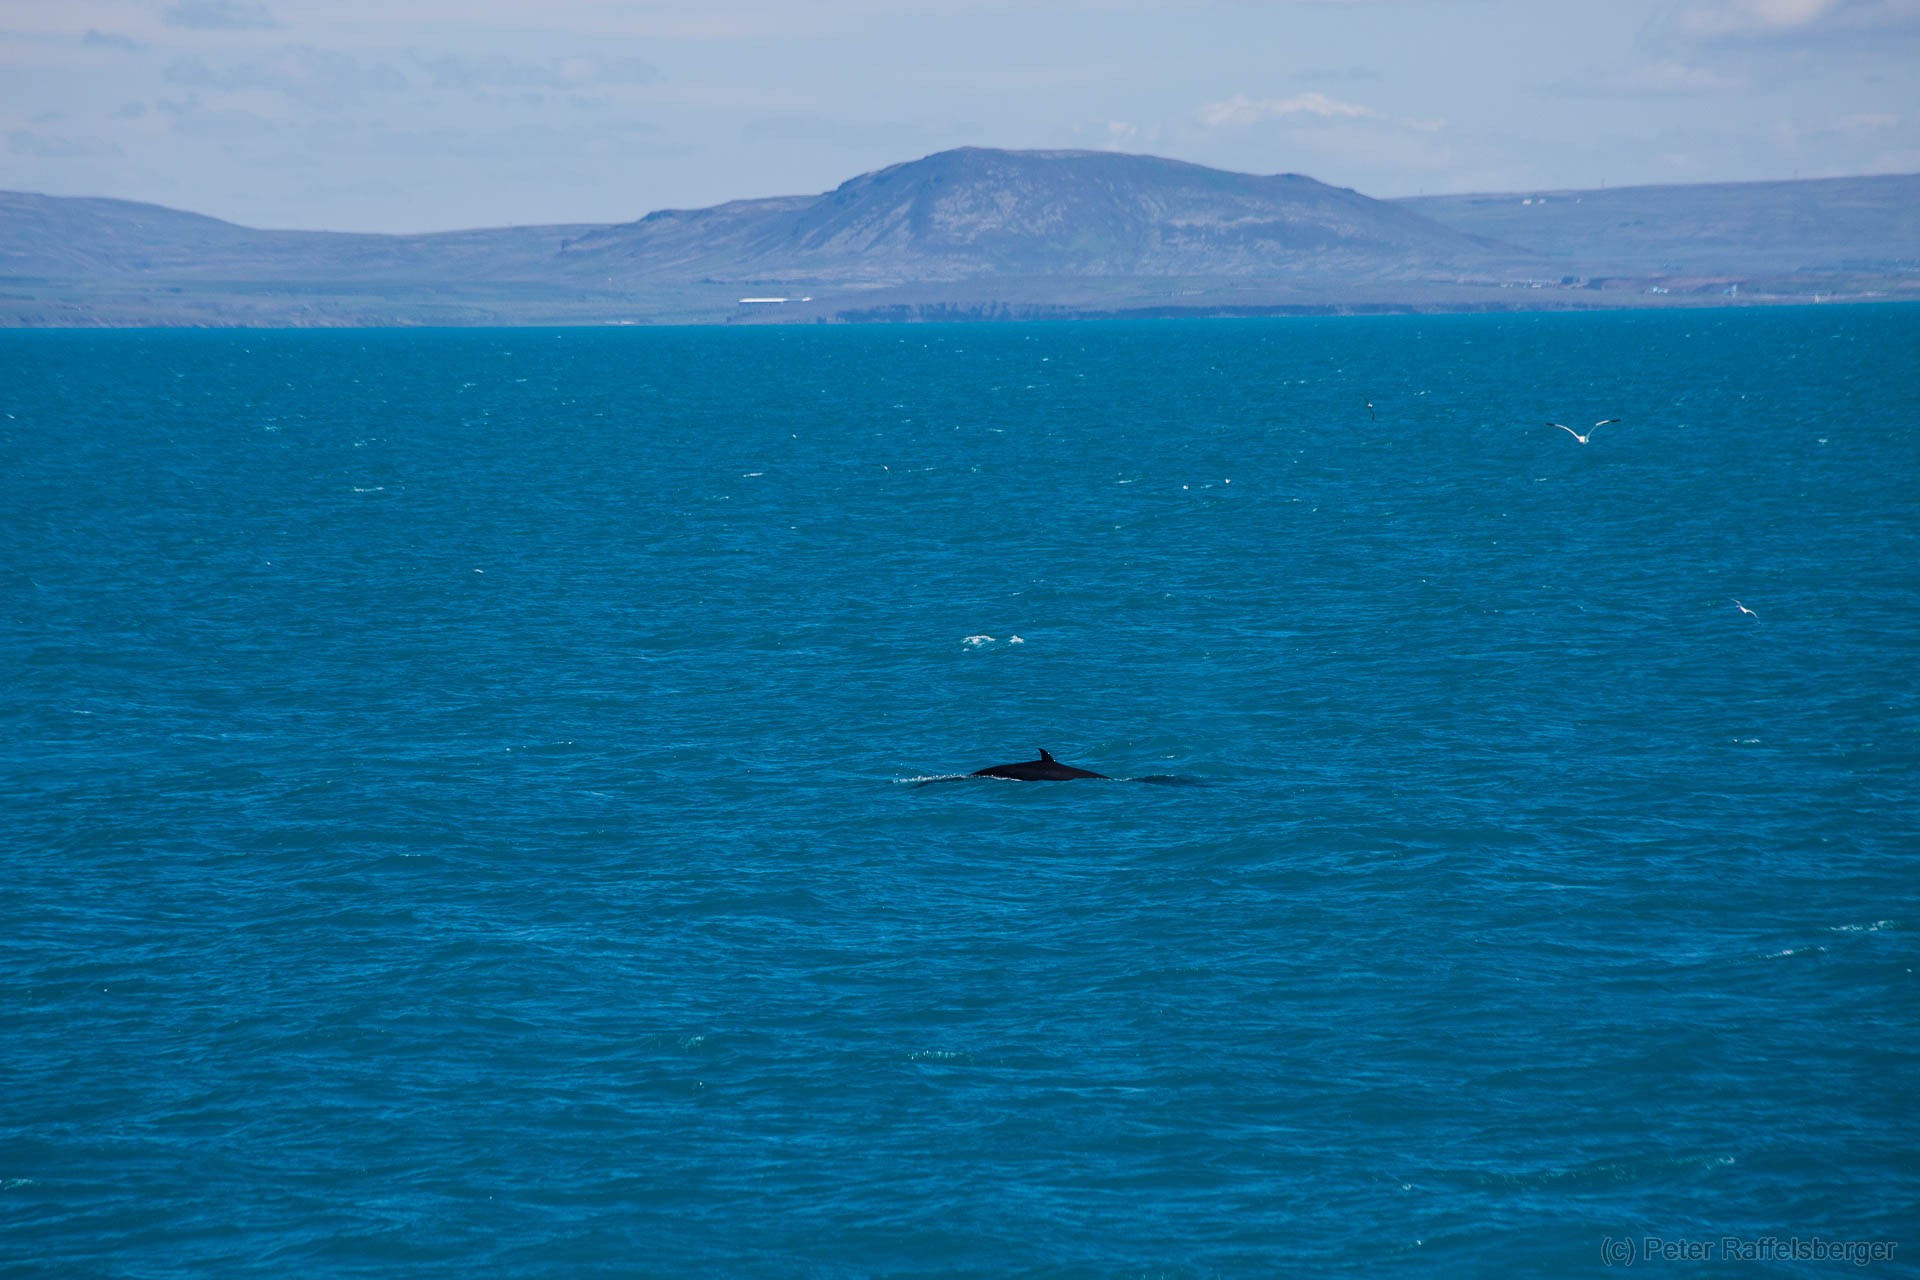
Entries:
{"x":977,"y":233}
{"x":1823,"y":224}
{"x":952,"y":216}
{"x":57,"y":237}
{"x":974,"y":212}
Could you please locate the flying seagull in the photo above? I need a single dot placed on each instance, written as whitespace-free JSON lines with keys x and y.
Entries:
{"x":1590,"y":430}
{"x":1742,"y":608}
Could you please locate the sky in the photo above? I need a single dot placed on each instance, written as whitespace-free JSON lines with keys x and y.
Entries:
{"x":419,"y":115}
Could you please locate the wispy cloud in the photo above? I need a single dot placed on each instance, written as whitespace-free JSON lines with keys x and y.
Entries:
{"x":41,"y":146}
{"x":219,"y":15}
{"x":97,"y":39}
{"x":1766,"y":19}
{"x":1241,"y":110}
{"x":1659,"y":79}
{"x":1114,"y":135}
{"x":320,"y":77}
{"x":1793,"y":133}
{"x":499,"y":72}
{"x":1736,"y":17}
{"x":1327,"y":74}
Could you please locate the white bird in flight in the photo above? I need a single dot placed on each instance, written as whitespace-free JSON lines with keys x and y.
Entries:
{"x":1742,"y":608}
{"x":1590,"y":430}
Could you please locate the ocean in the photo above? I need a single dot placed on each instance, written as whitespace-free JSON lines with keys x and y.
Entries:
{"x":485,"y":802}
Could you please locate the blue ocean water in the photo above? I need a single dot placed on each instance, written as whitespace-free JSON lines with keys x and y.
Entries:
{"x":462,"y":809}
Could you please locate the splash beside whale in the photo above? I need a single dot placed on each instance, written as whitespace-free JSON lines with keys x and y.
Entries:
{"x":1045,"y":769}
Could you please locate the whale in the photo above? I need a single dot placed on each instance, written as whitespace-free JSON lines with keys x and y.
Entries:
{"x":1045,"y":769}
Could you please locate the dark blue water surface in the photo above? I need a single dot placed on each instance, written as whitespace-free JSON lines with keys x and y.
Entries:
{"x":457,"y":795}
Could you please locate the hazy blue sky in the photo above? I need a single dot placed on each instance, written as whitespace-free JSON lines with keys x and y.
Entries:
{"x":397,"y":115}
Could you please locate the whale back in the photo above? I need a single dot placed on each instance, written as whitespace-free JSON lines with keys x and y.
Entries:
{"x":1045,"y":769}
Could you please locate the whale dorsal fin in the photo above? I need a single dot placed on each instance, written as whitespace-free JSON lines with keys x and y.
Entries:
{"x":1046,"y":757}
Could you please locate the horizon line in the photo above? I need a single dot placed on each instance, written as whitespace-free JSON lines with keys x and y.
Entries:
{"x":1516,"y":192}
